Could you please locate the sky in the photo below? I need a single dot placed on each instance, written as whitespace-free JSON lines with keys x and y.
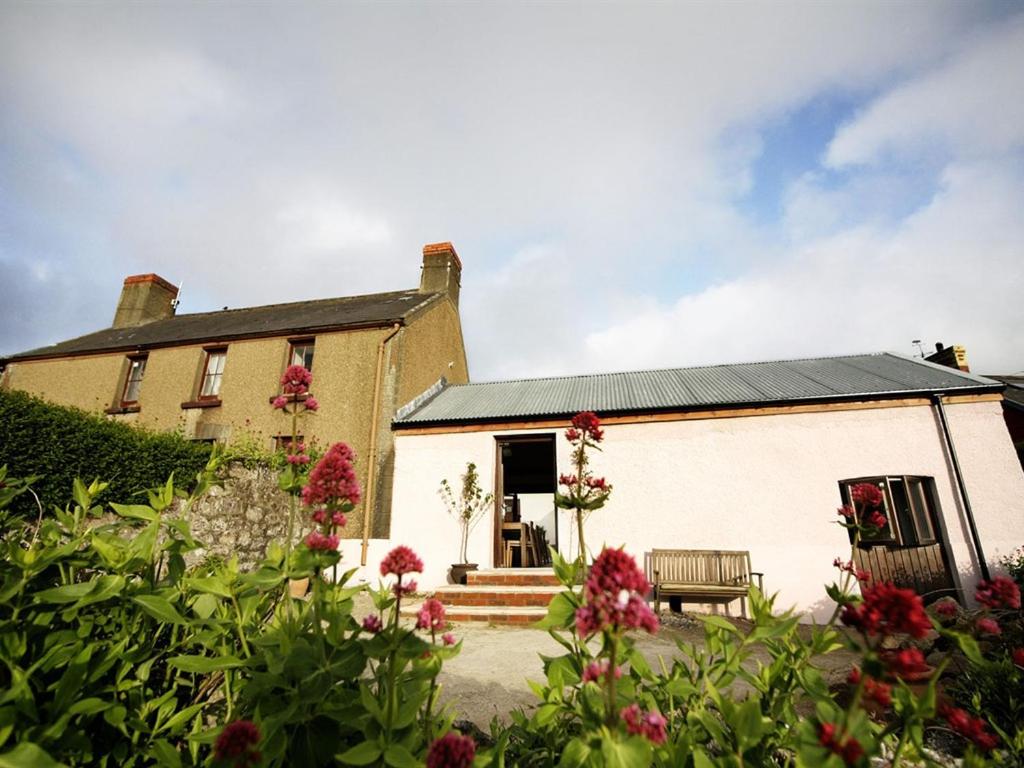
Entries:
{"x":629,"y":186}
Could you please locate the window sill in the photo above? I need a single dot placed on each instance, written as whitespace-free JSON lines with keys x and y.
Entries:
{"x":212,"y":402}
{"x":116,"y":410}
{"x":291,"y":398}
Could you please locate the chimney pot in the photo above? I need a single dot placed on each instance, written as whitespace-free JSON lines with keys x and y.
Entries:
{"x":938,"y":346}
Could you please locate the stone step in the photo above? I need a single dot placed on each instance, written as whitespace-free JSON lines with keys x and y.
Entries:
{"x":496,"y":595}
{"x":518,"y":577}
{"x":507,"y":615}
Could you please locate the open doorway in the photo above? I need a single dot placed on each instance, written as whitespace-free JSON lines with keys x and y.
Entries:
{"x":525,"y":514}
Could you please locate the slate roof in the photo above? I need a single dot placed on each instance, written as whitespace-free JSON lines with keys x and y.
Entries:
{"x":1014,"y":394}
{"x":854,"y":377}
{"x":272,"y":320}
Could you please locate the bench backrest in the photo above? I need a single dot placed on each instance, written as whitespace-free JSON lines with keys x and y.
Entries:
{"x":698,"y":566}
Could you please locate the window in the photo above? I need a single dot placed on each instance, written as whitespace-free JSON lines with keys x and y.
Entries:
{"x":302,"y":353}
{"x":213,"y":371}
{"x":132,"y":384}
{"x":909,"y":506}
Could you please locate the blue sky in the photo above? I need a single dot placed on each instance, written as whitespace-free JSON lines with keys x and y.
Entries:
{"x":628,"y":185}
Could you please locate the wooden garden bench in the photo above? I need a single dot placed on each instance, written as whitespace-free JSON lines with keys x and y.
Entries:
{"x":701,"y":576}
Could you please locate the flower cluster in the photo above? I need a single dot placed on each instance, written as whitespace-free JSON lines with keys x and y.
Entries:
{"x":585,"y":426}
{"x":886,"y":610}
{"x":297,"y":453}
{"x":1001,"y":592}
{"x":453,"y":750}
{"x":398,"y":562}
{"x":947,"y":608}
{"x":333,"y":480}
{"x":989,"y":626}
{"x":867,"y":494}
{"x":971,"y":728}
{"x":849,"y":750}
{"x":296,"y":380}
{"x":372,"y":624}
{"x":615,"y":590}
{"x":237,"y":744}
{"x":867,"y":499}
{"x":431,"y":615}
{"x":906,"y":663}
{"x":874,"y":690}
{"x":850,"y":567}
{"x":320,"y":542}
{"x":650,"y":725}
{"x":598,"y":670}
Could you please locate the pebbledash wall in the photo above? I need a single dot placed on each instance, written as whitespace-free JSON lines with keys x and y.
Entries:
{"x":766,"y":483}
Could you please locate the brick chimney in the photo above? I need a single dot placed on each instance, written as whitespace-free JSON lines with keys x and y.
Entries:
{"x":144,"y":298}
{"x":951,"y":357}
{"x":442,"y":270}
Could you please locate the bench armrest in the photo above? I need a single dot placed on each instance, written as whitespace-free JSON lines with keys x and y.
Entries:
{"x":760,"y":579}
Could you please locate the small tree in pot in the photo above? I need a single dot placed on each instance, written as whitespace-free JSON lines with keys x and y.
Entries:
{"x":467,"y":507}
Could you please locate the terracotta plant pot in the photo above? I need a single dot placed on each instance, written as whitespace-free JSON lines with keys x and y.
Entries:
{"x":298,"y":587}
{"x":459,"y":571}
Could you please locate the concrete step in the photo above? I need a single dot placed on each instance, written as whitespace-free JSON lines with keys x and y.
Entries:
{"x":518,"y":577}
{"x":506,"y":615}
{"x":496,"y":595}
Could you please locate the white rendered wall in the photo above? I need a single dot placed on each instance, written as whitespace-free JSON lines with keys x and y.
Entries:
{"x":767,"y":484}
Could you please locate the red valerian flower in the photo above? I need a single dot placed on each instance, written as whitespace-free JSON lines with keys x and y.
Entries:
{"x":400,"y":561}
{"x":572,"y":435}
{"x":598,"y":670}
{"x":297,"y":458}
{"x":650,"y":725}
{"x":406,"y":588}
{"x":972,"y":728}
{"x":372,"y":623}
{"x":431,"y":615}
{"x":296,"y":380}
{"x":280,"y":402}
{"x":569,"y":480}
{"x":846,"y":511}
{"x":876,"y":520}
{"x":338,"y":520}
{"x":1018,"y":656}
{"x":908,"y":663}
{"x":322,"y":543}
{"x":333,"y":479}
{"x":876,"y":690}
{"x":237,"y":743}
{"x":989,"y":626}
{"x":448,"y":638}
{"x":453,"y":750}
{"x":850,"y":751}
{"x":597,"y":483}
{"x":615,"y":590}
{"x":311,"y":403}
{"x":887,"y":609}
{"x":947,"y":608}
{"x":867,"y":494}
{"x":587,"y":424}
{"x":1001,"y":592}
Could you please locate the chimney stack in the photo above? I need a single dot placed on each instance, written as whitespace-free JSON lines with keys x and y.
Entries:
{"x":144,"y":298}
{"x":951,"y":357}
{"x":442,"y":271}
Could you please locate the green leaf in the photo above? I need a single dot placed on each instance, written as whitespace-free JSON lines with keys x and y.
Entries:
{"x":205,"y":664}
{"x":968,"y":647}
{"x":205,"y":605}
{"x":210,"y":584}
{"x":399,"y":757}
{"x":69,"y":593}
{"x":165,"y":754}
{"x":136,"y":512}
{"x":561,"y":611}
{"x":720,"y":623}
{"x":634,"y":752}
{"x":89,"y":706}
{"x":361,"y":754}
{"x":28,"y":755}
{"x":575,"y":754}
{"x":160,"y":609}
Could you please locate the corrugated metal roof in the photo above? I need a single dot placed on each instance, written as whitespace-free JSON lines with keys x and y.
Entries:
{"x":295,"y":317}
{"x":820,"y":379}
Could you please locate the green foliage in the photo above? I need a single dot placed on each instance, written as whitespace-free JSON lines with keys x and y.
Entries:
{"x":58,"y":444}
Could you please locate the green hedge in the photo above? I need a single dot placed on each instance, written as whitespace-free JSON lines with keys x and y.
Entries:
{"x":59,"y":444}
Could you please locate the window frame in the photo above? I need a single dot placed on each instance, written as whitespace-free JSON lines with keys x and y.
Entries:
{"x":896,"y":521}
{"x":303,"y":342}
{"x":210,"y":353}
{"x":282,"y":442}
{"x":133,"y":361}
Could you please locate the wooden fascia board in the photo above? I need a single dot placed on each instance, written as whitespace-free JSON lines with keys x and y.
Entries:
{"x":695,"y":414}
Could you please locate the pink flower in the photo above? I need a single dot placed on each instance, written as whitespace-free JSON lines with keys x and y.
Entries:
{"x":650,"y":725}
{"x":572,"y":435}
{"x":297,"y":458}
{"x":1018,"y":656}
{"x":448,"y":638}
{"x":947,"y":608}
{"x":887,"y":609}
{"x":597,"y":483}
{"x":311,"y":403}
{"x":907,"y":663}
{"x":453,"y":750}
{"x":407,"y":588}
{"x":237,"y":743}
{"x":867,"y":494}
{"x":876,"y":690}
{"x":333,"y":479}
{"x":400,"y":561}
{"x":431,"y":615}
{"x":319,"y":516}
{"x":850,"y":751}
{"x":598,"y":670}
{"x":569,"y":480}
{"x":319,"y":542}
{"x":296,"y":380}
{"x":587,"y":423}
{"x":338,"y":520}
{"x":280,"y":402}
{"x":845,"y":511}
{"x":876,"y":520}
{"x":1001,"y":592}
{"x":973,"y":728}
{"x":615,"y":592}
{"x":372,"y":623}
{"x":989,"y":626}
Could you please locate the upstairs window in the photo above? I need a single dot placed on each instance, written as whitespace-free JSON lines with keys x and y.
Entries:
{"x":213,"y":372}
{"x":132,"y":384}
{"x":302,"y":353}
{"x":909,"y":505}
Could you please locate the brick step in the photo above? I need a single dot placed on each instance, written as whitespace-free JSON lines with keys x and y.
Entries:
{"x":507,"y":615}
{"x":496,"y":595}
{"x":518,"y":577}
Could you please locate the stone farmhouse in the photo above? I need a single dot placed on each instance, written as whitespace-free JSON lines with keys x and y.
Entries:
{"x":212,"y":375}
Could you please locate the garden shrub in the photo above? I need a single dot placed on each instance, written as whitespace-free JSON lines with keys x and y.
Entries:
{"x":56,"y":444}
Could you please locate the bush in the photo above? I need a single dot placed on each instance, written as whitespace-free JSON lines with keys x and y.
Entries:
{"x":58,"y":444}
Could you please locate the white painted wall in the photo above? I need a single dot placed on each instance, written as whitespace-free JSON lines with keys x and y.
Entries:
{"x":767,"y":484}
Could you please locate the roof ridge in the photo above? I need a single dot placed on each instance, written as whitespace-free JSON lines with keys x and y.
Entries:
{"x":293,"y":303}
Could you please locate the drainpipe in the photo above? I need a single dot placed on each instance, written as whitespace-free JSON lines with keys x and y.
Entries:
{"x":374,"y":418}
{"x":958,"y":473}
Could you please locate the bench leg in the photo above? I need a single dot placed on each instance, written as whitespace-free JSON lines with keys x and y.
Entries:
{"x":657,"y":600}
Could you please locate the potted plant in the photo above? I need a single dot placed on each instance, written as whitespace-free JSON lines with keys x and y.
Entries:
{"x":468,"y":506}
